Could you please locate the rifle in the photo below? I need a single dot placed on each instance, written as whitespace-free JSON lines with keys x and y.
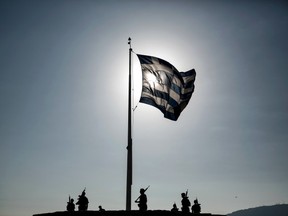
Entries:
{"x":144,"y":192}
{"x":188,"y":202}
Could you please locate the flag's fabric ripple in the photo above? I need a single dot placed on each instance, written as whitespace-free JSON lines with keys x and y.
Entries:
{"x":164,"y":87}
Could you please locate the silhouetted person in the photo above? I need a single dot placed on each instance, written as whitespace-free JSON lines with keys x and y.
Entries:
{"x":70,"y":205}
{"x":101,"y":209}
{"x":142,"y":200}
{"x":185,"y":203}
{"x":174,"y":209}
{"x":196,"y":208}
{"x":82,"y":202}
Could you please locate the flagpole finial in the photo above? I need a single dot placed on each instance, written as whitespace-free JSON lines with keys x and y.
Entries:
{"x":129,"y":42}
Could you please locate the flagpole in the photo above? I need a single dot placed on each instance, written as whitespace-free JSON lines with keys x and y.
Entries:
{"x":129,"y":146}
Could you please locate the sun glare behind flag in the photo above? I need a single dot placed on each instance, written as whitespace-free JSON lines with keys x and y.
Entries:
{"x":164,"y":87}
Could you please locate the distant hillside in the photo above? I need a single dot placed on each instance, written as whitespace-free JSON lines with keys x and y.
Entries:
{"x":275,"y":210}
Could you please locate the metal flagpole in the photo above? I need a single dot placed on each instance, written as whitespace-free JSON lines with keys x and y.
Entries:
{"x":129,"y":146}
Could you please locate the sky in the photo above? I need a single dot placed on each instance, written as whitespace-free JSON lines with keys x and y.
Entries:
{"x":64,"y":100}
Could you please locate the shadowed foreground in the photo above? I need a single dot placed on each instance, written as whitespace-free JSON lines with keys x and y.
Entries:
{"x":123,"y":213}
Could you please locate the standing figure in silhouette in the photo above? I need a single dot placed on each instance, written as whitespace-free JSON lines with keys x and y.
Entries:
{"x":174,"y":209}
{"x":142,"y":200}
{"x":70,"y":205}
{"x":82,"y":202}
{"x":185,"y":203}
{"x":196,"y":208}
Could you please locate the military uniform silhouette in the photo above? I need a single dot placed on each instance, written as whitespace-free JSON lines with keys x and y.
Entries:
{"x":185,"y":203}
{"x":70,"y":205}
{"x":142,"y":200}
{"x":196,"y":208}
{"x":101,"y":209}
{"x":174,"y":209}
{"x":82,"y":202}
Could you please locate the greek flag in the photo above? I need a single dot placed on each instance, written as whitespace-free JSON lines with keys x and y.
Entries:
{"x":164,"y":87}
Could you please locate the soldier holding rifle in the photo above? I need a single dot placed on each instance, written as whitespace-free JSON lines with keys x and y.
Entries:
{"x":82,"y":202}
{"x":185,"y":202}
{"x":142,"y":200}
{"x":70,"y":205}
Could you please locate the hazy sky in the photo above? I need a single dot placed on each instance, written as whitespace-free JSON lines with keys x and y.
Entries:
{"x":63,"y":104}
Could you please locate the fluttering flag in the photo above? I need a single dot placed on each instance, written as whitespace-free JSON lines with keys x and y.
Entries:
{"x":164,"y":87}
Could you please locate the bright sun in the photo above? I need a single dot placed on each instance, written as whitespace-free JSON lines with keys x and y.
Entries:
{"x":151,"y":78}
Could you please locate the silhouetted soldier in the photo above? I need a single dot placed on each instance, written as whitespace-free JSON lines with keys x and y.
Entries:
{"x":174,"y":209}
{"x":196,"y":208}
{"x":185,"y":203}
{"x":142,"y":200}
{"x":101,"y":209}
{"x":82,"y":202}
{"x":70,"y":205}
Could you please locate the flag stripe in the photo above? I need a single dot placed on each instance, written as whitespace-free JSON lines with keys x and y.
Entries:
{"x":167,"y":114}
{"x":160,"y":96}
